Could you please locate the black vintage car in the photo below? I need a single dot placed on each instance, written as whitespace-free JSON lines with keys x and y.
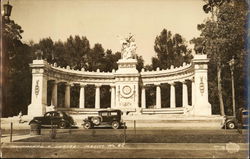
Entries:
{"x":105,"y":118}
{"x":58,"y":118}
{"x":239,"y":121}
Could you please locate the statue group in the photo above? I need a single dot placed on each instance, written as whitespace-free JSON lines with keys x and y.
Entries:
{"x":128,"y":47}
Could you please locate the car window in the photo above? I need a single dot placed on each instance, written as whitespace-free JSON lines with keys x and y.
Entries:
{"x":104,"y":113}
{"x":114,"y":113}
{"x":61,"y":114}
{"x":245,"y":113}
{"x":56,"y":114}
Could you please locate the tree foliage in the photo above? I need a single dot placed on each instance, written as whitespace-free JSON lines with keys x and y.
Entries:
{"x":223,"y":37}
{"x":170,"y":50}
{"x":16,"y":81}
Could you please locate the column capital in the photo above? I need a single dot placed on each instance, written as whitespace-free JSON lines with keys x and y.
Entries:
{"x":172,"y":83}
{"x":55,"y":82}
{"x":98,"y":85}
{"x":82,"y":84}
{"x":157,"y":84}
{"x":192,"y":79}
{"x":112,"y":85}
{"x":69,"y":84}
{"x":184,"y":82}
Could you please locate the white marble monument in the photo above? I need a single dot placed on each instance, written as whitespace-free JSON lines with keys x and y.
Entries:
{"x":127,"y":77}
{"x":126,"y":86}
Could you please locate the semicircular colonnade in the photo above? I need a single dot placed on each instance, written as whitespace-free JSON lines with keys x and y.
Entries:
{"x":127,"y":87}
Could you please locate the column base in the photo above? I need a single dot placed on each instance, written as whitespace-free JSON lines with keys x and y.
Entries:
{"x":36,"y":110}
{"x":202,"y":109}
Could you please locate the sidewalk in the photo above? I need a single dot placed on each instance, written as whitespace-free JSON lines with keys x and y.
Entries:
{"x":230,"y":147}
{"x":121,"y":150}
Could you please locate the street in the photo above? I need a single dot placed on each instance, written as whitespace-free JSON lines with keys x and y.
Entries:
{"x":141,"y":143}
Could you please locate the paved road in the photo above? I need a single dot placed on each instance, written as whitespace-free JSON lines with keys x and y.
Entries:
{"x":132,"y":136}
{"x":143,"y":143}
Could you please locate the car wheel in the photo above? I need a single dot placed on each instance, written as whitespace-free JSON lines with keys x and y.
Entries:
{"x":115,"y":124}
{"x":62,"y":125}
{"x":231,"y":125}
{"x":87,"y":125}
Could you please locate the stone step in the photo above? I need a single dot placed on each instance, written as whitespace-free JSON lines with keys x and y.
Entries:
{"x":171,"y":122}
{"x":163,"y":111}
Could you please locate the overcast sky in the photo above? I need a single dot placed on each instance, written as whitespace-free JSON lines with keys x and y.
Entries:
{"x":101,"y":21}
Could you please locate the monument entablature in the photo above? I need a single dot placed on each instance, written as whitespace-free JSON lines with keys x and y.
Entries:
{"x":127,"y":85}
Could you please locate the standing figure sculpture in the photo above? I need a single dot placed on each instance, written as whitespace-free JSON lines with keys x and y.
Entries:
{"x":128,"y":47}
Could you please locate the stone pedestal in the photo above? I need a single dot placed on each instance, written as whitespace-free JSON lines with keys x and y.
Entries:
{"x":201,"y":105}
{"x":127,"y":85}
{"x":39,"y":88}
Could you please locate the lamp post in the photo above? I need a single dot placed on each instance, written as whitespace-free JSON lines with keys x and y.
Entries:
{"x":7,"y":10}
{"x":231,"y":64}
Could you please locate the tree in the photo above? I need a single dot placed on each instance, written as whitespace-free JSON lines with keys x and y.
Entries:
{"x":16,"y":83}
{"x":95,"y":58}
{"x":140,"y":63}
{"x":222,"y":37}
{"x":170,"y":50}
{"x":76,"y":51}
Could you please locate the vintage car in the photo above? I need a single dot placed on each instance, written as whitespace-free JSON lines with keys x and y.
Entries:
{"x":58,"y":118}
{"x":239,"y":121}
{"x":105,"y":118}
{"x":231,"y":122}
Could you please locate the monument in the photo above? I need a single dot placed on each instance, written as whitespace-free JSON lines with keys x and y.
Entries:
{"x":127,"y":77}
{"x":127,"y":86}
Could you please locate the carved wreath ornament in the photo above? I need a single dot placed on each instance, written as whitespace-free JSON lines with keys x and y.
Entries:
{"x":126,"y":91}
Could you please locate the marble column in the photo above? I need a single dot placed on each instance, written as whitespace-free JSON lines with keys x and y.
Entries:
{"x":193,"y":92}
{"x":112,"y":96}
{"x":97,"y":96}
{"x":143,"y":97}
{"x":82,"y":96}
{"x":158,"y":96}
{"x":54,"y":94}
{"x":184,"y":94}
{"x":67,"y":96}
{"x":172,"y":95}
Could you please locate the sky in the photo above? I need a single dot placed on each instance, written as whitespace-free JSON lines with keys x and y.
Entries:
{"x":106,"y":21}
